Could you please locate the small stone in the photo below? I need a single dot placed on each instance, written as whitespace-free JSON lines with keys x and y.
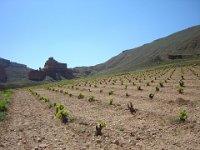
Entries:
{"x":43,"y":145}
{"x":36,"y":148}
{"x":83,"y":148}
{"x":138,"y":138}
{"x":98,"y":141}
{"x":39,"y":139}
{"x":20,"y":138}
{"x":116,"y":142}
{"x":19,"y":144}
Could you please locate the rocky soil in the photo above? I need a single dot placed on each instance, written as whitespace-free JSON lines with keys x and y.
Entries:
{"x":31,"y":124}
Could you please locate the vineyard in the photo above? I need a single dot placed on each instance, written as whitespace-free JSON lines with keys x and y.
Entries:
{"x":150,"y":109}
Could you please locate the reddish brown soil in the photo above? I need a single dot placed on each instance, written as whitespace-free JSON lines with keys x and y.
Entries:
{"x":32,"y":125}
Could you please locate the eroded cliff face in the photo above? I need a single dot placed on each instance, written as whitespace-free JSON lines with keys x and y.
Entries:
{"x":3,"y":64}
{"x":52,"y":68}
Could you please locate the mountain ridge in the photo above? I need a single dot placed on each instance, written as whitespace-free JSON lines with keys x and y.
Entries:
{"x":185,"y":42}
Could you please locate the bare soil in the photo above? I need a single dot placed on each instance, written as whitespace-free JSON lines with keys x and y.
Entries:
{"x":31,"y":124}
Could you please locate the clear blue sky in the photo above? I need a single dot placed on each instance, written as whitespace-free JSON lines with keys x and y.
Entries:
{"x":87,"y":32}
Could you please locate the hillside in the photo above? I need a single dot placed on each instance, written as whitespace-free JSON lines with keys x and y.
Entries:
{"x":11,"y":71}
{"x":184,"y":44}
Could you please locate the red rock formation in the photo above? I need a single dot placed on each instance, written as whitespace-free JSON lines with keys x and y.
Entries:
{"x":52,"y":64}
{"x":53,"y":69}
{"x":36,"y":75}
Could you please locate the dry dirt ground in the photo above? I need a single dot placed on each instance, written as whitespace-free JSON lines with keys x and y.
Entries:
{"x":31,"y":124}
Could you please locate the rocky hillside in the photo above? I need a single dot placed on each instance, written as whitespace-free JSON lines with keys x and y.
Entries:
{"x":181,"y":45}
{"x":11,"y":72}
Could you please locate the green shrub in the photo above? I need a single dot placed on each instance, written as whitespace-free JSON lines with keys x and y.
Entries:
{"x":157,"y":88}
{"x":58,"y":106}
{"x":182,"y":116}
{"x":100,"y":125}
{"x":181,"y":83}
{"x":180,"y":90}
{"x":91,"y":99}
{"x":81,"y":96}
{"x":70,"y":94}
{"x":110,"y":101}
{"x":62,"y":115}
{"x":3,"y":105}
{"x":4,"y":101}
{"x":126,"y":86}
{"x":139,"y":88}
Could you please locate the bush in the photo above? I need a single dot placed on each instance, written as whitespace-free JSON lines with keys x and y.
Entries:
{"x":91,"y":99}
{"x":182,"y":116}
{"x":70,"y":94}
{"x":126,"y":86}
{"x":157,"y":89}
{"x":3,"y":105}
{"x":100,"y":125}
{"x":59,"y":106}
{"x":81,"y":96}
{"x":110,"y":101}
{"x":181,"y":83}
{"x":180,"y":90}
{"x":62,"y":115}
{"x":139,"y":88}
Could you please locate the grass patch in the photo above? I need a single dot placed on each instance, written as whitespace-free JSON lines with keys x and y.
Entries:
{"x":4,"y":101}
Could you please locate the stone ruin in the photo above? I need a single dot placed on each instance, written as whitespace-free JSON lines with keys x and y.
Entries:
{"x":52,"y":68}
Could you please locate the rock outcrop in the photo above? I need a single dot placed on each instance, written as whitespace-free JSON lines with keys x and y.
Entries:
{"x":36,"y":75}
{"x":52,"y":68}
